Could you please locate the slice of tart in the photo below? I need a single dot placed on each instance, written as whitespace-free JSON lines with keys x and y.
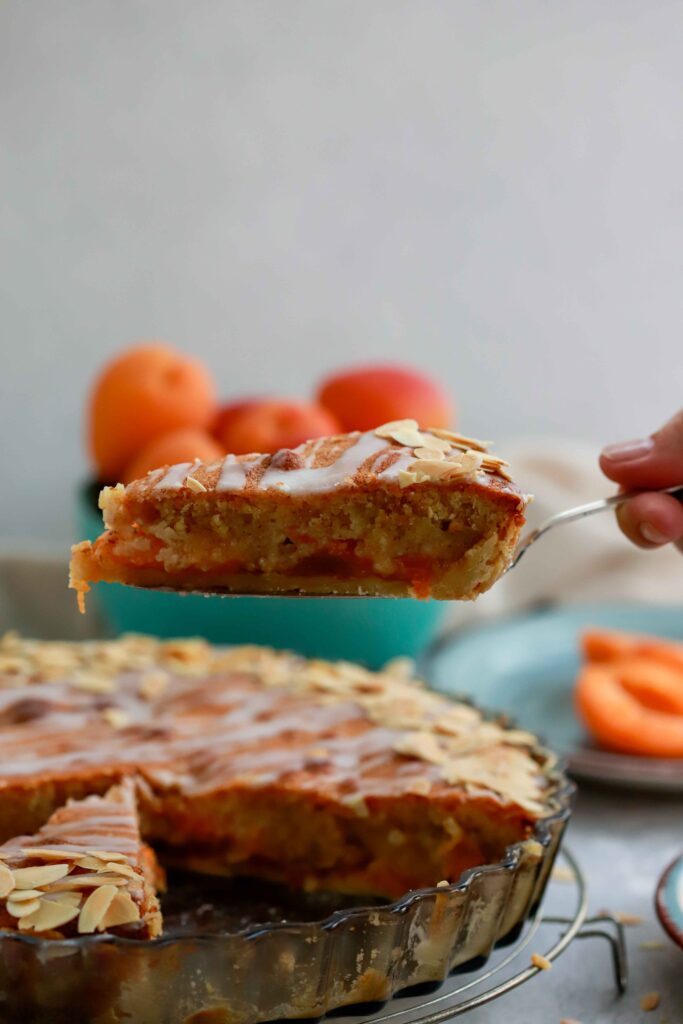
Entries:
{"x":397,"y":511}
{"x":255,"y":762}
{"x":85,"y":871}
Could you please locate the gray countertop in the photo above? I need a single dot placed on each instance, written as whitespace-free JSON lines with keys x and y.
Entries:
{"x":622,"y":841}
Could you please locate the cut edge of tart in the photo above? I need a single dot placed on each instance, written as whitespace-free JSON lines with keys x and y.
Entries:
{"x":397,"y":511}
{"x":86,"y":871}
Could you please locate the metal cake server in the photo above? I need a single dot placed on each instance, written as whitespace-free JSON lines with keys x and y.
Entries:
{"x":571,"y":515}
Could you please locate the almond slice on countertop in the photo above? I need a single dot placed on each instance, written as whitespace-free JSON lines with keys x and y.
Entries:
{"x":95,"y":908}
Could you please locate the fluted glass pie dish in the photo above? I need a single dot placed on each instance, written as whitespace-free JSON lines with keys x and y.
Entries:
{"x":276,"y":954}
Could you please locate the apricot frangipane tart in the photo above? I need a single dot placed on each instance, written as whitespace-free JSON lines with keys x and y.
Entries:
{"x":252,"y":762}
{"x":397,"y":511}
{"x":85,"y":871}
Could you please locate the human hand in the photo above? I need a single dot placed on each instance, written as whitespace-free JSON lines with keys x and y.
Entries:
{"x":649,"y":520}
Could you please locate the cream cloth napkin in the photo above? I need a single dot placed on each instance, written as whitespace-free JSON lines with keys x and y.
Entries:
{"x":586,"y":561}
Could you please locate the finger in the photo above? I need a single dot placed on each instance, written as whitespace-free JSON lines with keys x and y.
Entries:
{"x":651,"y":520}
{"x":650,"y":462}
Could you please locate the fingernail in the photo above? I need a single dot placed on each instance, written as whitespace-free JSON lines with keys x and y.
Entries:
{"x":652,"y":535}
{"x":626,"y":451}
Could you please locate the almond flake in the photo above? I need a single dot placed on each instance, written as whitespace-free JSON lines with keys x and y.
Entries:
{"x":540,"y":961}
{"x":649,"y":1002}
{"x":76,"y":882}
{"x":49,"y":853}
{"x":408,"y":438}
{"x":153,"y":684}
{"x":120,"y":869}
{"x":470,"y":461}
{"x":7,"y":882}
{"x":431,"y":454}
{"x":90,"y":864}
{"x":49,"y":915}
{"x":406,"y":478}
{"x":106,"y":855}
{"x":422,"y":744}
{"x":116,"y":717}
{"x":194,"y":485}
{"x":36,"y":877}
{"x":95,"y":908}
{"x":122,"y":910}
{"x":65,"y":899}
{"x":92,"y":682}
{"x":420,"y":786}
{"x":22,"y":909}
{"x":387,"y":429}
{"x":629,"y":920}
{"x":23,"y":895}
{"x":460,"y":440}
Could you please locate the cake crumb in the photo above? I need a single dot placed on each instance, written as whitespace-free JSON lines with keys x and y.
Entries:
{"x":570,"y":1020}
{"x":562,"y":873}
{"x":651,"y":944}
{"x":649,"y":1002}
{"x":629,"y":920}
{"x":540,"y":961}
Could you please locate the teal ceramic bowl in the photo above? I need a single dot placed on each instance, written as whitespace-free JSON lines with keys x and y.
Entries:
{"x":362,"y":629}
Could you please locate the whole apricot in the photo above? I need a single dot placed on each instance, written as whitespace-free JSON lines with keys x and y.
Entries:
{"x":145,"y":392}
{"x":271,"y":424}
{"x":183,"y":445}
{"x":363,"y":398}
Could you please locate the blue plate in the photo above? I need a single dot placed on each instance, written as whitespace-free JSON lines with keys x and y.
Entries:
{"x":669,"y":900}
{"x":526,"y":666}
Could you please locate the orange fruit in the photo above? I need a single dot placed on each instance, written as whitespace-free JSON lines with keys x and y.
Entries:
{"x":183,"y":445}
{"x":146,"y":391}
{"x":270,"y":424}
{"x":365,"y":397}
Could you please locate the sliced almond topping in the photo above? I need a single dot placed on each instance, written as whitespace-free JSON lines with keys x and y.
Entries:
{"x":49,"y":853}
{"x":22,"y":909}
{"x":153,"y":684}
{"x":408,"y":437}
{"x":36,"y":877}
{"x":120,"y":869}
{"x":116,"y":717}
{"x":48,"y":916}
{"x":90,"y":864}
{"x":388,"y":429}
{"x":107,"y":855}
{"x":194,"y":485}
{"x":76,"y":882}
{"x":406,"y":478}
{"x":420,"y":744}
{"x":23,"y":895}
{"x":7,"y":882}
{"x":420,"y":786}
{"x":430,"y":454}
{"x":95,"y":908}
{"x":460,"y":440}
{"x":470,"y":461}
{"x":65,"y":899}
{"x":122,"y":910}
{"x":92,"y":682}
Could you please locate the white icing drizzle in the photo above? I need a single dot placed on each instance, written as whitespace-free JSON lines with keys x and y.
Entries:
{"x":174,"y":477}
{"x":310,"y":480}
{"x":232,"y":476}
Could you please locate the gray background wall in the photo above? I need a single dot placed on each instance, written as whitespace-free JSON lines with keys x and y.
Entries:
{"x":491,"y":189}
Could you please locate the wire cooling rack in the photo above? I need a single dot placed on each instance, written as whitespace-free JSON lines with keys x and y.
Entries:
{"x":510,"y":966}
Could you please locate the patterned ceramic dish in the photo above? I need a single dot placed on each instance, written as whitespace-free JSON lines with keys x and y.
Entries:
{"x":253,"y":971}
